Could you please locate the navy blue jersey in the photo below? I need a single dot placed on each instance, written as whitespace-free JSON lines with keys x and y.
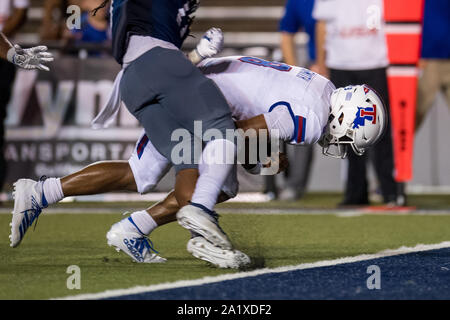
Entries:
{"x":298,"y":14}
{"x":436,"y":28}
{"x":166,"y":20}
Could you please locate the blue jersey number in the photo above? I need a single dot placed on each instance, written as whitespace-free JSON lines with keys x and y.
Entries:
{"x":263,"y":63}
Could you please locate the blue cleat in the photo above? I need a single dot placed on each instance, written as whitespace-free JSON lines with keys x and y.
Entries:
{"x":29,"y":200}
{"x":131,"y":241}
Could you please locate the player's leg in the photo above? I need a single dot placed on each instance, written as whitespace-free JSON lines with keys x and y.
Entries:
{"x":165,"y":212}
{"x":30,"y":196}
{"x":428,"y":86}
{"x":99,"y":177}
{"x":298,"y":173}
{"x":205,"y":250}
{"x":191,"y":88}
{"x":445,"y":74}
{"x":382,"y":153}
{"x":356,"y":188}
{"x":174,"y":95}
{"x":130,"y":235}
{"x":185,"y":181}
{"x":198,"y":215}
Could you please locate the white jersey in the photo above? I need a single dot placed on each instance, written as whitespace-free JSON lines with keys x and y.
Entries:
{"x":253,"y":86}
{"x":353,"y":30}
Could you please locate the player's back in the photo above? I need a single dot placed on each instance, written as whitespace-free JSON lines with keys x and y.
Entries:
{"x":253,"y":86}
{"x":167,"y":20}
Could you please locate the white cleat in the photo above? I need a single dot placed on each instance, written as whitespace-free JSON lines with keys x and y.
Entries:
{"x":29,"y":200}
{"x":205,"y":224}
{"x":134,"y":244}
{"x":202,"y":249}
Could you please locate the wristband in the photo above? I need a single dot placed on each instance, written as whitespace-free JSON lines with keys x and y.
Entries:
{"x":256,"y":169}
{"x":10,"y":55}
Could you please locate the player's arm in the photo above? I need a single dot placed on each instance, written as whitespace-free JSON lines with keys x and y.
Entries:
{"x":50,"y":27}
{"x":278,"y":119}
{"x":256,"y":123}
{"x":288,"y":48}
{"x":210,"y":44}
{"x":15,"y":21}
{"x":11,"y":26}
{"x":320,"y":66}
{"x":4,"y":47}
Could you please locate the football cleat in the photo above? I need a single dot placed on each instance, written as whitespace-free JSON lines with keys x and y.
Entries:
{"x":133,"y":243}
{"x":29,"y":200}
{"x":204,"y":222}
{"x":202,"y":249}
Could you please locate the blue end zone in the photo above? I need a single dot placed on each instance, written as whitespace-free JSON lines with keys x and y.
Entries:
{"x":420,"y":275}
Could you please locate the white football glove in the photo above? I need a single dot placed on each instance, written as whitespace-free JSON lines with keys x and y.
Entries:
{"x":210,"y":44}
{"x":32,"y":58}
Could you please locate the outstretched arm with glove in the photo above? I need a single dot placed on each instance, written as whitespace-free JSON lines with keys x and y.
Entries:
{"x":31,"y":58}
{"x":210,"y":44}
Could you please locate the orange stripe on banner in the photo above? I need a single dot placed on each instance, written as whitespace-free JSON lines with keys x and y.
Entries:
{"x":403,"y":48}
{"x":403,"y":10}
{"x":402,"y":96}
{"x":404,"y":45}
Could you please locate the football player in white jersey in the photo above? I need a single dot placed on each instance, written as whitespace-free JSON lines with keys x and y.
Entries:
{"x":300,"y":105}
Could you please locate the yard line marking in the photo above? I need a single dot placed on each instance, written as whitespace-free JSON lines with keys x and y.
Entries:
{"x":239,"y":275}
{"x":257,"y":211}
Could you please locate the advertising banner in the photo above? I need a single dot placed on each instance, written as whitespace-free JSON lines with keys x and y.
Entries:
{"x":49,"y":115}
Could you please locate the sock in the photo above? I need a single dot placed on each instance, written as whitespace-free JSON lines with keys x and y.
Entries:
{"x":143,"y":222}
{"x":53,"y":190}
{"x":217,"y":162}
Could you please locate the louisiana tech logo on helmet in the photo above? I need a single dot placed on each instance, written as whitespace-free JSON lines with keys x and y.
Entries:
{"x":368,"y":113}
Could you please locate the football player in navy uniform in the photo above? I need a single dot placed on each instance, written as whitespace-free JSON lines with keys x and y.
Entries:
{"x":165,"y":92}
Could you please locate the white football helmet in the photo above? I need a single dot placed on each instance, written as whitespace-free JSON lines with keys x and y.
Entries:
{"x":358,"y":118}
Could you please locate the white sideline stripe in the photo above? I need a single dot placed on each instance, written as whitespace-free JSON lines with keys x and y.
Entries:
{"x":240,"y":275}
{"x":249,"y":211}
{"x":247,"y":197}
{"x":275,"y":12}
{"x":233,"y":13}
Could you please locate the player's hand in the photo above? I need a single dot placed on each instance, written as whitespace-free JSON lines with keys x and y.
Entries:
{"x":320,"y":69}
{"x":280,"y":160}
{"x":32,"y":58}
{"x":211,"y":43}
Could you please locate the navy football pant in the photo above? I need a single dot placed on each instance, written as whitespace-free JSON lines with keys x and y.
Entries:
{"x":165,"y":92}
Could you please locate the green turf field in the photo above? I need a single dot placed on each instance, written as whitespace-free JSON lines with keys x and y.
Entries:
{"x":37,"y":268}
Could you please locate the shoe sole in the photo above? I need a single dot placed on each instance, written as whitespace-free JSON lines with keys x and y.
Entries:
{"x":200,"y":224}
{"x":232,"y":259}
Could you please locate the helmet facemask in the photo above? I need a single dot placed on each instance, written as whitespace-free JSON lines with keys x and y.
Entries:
{"x":335,"y":147}
{"x":352,"y":112}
